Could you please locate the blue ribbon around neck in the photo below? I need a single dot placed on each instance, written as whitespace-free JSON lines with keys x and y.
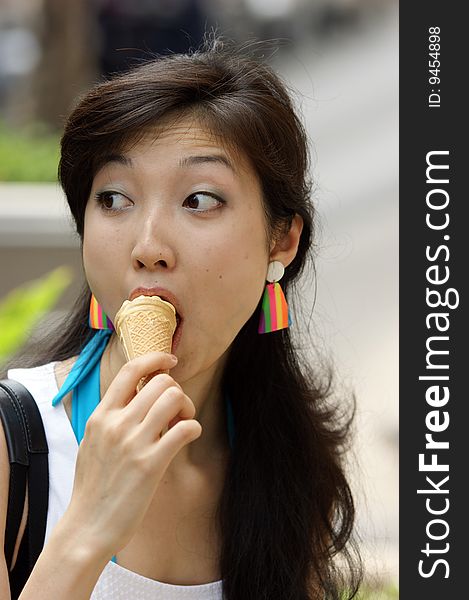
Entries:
{"x":89,"y":357}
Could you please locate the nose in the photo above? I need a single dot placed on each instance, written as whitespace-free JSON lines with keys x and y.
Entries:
{"x":152,"y":249}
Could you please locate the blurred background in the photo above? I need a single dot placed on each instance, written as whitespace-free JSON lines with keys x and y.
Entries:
{"x":341,"y":59}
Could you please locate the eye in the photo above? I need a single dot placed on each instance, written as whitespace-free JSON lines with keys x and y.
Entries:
{"x":203,"y":202}
{"x":112,"y":201}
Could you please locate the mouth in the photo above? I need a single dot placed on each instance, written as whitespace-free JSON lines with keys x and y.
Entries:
{"x":167,"y":296}
{"x":177,"y":334}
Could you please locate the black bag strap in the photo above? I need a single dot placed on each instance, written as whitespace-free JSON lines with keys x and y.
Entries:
{"x":27,"y":451}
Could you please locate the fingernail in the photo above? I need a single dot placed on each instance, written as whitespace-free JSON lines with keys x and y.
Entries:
{"x":173,"y":358}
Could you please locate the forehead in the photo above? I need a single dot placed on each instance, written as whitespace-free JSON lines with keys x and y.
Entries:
{"x":190,"y":141}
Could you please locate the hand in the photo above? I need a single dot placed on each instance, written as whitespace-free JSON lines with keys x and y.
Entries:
{"x":122,"y":457}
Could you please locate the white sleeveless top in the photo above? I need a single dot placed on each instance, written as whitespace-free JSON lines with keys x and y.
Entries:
{"x":115,"y":582}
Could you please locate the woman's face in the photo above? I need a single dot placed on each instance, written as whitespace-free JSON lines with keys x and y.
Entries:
{"x":178,"y":212}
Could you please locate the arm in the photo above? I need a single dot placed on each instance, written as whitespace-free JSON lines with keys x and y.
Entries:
{"x":64,"y":568}
{"x":63,"y":572}
{"x":121,"y":452}
{"x":67,"y":568}
{"x":4,"y":487}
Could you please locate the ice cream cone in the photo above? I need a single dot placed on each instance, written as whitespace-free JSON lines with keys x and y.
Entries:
{"x":145,"y":324}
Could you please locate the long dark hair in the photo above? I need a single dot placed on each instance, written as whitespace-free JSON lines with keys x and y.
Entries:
{"x":286,"y":511}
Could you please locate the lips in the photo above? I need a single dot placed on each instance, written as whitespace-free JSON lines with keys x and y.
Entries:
{"x":162,"y":293}
{"x":168,"y":296}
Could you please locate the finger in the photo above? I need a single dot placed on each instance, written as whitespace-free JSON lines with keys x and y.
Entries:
{"x":143,"y":382}
{"x":139,"y":406}
{"x":123,"y":387}
{"x":172,"y":404}
{"x":173,"y":441}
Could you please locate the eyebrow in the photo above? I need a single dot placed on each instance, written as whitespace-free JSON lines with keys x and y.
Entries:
{"x":189,"y":161}
{"x":186,"y":162}
{"x":117,"y":158}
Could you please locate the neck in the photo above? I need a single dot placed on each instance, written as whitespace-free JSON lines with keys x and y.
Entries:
{"x":211,"y":449}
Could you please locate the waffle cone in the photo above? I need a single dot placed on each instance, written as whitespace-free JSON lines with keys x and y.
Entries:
{"x":145,"y":324}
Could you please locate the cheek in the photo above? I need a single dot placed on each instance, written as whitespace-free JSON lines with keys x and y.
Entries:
{"x":235,"y":274}
{"x":101,"y":260}
{"x":94,"y":254}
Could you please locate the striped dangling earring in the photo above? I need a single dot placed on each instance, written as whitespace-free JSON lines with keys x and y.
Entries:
{"x":98,"y":318}
{"x":274,"y":311}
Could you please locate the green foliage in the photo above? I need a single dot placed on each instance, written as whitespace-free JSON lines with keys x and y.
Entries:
{"x":387,"y":591}
{"x":26,"y":305}
{"x":28,"y":155}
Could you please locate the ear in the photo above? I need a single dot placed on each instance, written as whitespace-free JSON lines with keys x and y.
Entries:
{"x":285,"y":248}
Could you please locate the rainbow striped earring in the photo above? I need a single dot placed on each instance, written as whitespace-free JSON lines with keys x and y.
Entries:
{"x":274,"y":311}
{"x":98,"y":318}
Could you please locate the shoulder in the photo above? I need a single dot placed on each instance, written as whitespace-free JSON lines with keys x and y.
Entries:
{"x":32,"y":373}
{"x":44,"y":381}
{"x":39,"y":381}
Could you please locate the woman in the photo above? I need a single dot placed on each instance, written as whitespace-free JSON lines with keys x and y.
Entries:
{"x":187,"y":179}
